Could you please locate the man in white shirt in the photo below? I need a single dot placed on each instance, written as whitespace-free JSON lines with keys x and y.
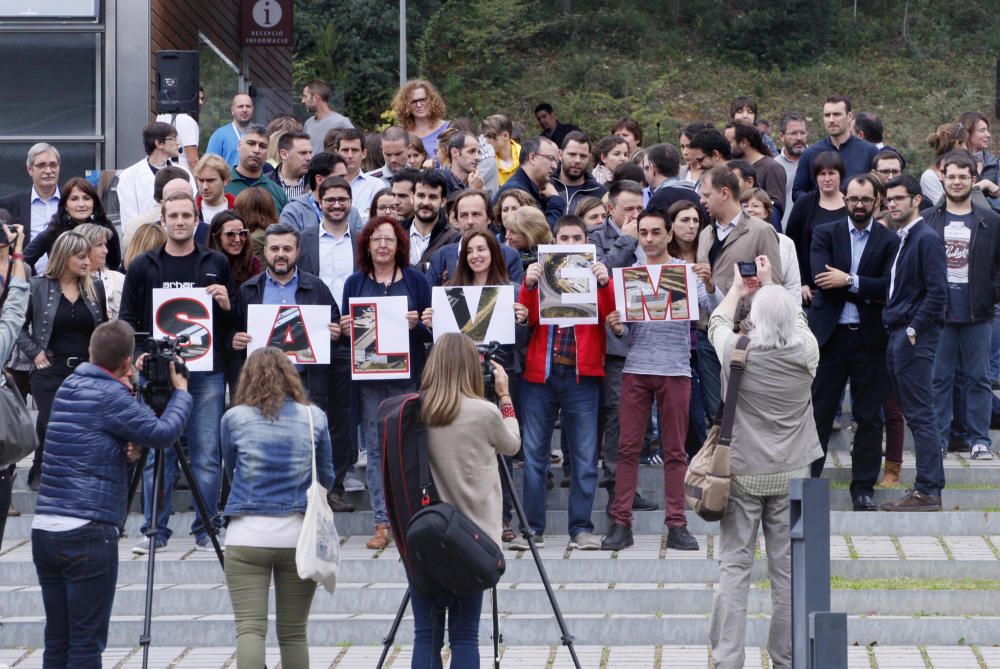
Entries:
{"x":135,"y":183}
{"x":188,"y":134}
{"x":351,"y":145}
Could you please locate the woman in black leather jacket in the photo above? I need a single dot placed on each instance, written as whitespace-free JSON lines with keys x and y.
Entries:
{"x":64,"y":307}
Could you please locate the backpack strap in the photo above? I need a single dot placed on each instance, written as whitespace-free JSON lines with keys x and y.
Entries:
{"x":424,"y":466}
{"x":736,"y":364}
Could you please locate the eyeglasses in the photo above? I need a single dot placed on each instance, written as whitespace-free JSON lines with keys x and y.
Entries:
{"x":418,"y":101}
{"x":899,"y":199}
{"x":889,"y":172}
{"x":551,"y":159}
{"x":958,"y":177}
{"x":852,"y":201}
{"x":233,"y":234}
{"x":388,"y":241}
{"x":383,"y":208}
{"x":335,"y":200}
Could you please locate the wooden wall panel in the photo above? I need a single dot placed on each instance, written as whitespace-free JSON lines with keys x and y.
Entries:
{"x":176,"y":24}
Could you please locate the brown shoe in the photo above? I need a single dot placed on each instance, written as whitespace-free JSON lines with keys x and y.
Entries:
{"x":891,"y":476}
{"x":380,"y":539}
{"x":338,"y":504}
{"x":507,"y":535}
{"x":914,"y":500}
{"x":13,"y":512}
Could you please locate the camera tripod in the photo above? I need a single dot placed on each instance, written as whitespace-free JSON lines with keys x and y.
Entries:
{"x":158,"y":402}
{"x":566,"y":637}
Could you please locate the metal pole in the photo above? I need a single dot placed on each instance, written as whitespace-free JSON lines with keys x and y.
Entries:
{"x":402,"y":42}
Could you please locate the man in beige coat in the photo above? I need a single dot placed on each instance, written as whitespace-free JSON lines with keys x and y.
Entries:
{"x":732,"y":236}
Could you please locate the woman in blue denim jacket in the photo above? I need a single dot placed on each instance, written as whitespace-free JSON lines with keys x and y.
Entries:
{"x":268,"y":448}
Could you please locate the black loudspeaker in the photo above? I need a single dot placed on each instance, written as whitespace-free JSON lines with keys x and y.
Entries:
{"x":177,"y":82}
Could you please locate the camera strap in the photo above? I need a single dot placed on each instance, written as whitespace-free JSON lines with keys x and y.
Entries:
{"x":6,"y":281}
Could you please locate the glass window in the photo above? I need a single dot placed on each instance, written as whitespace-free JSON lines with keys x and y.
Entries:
{"x":34,"y":10}
{"x":77,"y":159}
{"x":50,"y":84}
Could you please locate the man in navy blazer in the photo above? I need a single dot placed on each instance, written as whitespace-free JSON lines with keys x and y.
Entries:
{"x":851,"y":261}
{"x":914,"y":316}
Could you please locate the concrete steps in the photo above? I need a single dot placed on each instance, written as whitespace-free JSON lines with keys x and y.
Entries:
{"x":537,"y":657}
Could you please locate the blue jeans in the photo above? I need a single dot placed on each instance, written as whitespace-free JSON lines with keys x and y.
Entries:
{"x":911,"y":371}
{"x":372,"y":394}
{"x":579,"y":403}
{"x":429,"y":625}
{"x":965,"y":349}
{"x":208,"y":389}
{"x":709,"y":374}
{"x":77,"y":571}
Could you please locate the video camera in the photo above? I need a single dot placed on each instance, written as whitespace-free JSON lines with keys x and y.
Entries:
{"x":160,"y":353}
{"x":489,"y":353}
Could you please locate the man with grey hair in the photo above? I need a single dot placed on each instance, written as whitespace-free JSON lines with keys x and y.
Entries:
{"x":249,"y":172}
{"x":33,"y":208}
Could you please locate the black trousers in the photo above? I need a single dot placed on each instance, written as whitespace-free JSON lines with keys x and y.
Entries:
{"x":44,"y":384}
{"x":845,"y":357}
{"x":338,"y":416}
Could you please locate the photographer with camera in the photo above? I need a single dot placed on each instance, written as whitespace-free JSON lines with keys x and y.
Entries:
{"x":181,"y":263}
{"x":94,"y":426}
{"x":14,"y":301}
{"x":465,"y":433}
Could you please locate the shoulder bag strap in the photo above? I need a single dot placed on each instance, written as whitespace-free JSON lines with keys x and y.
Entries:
{"x":736,"y":364}
{"x":423,"y":463}
{"x":312,"y":440}
{"x":6,"y":281}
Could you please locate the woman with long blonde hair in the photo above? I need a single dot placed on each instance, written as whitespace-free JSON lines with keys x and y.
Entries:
{"x":113,"y":281}
{"x":65,"y":306}
{"x":268,"y":448}
{"x":465,"y":433}
{"x":146,"y":237}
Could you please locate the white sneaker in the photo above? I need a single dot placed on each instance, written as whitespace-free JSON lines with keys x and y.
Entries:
{"x":981,"y":452}
{"x":352,"y":483}
{"x":142,"y":548}
{"x":362,"y":458}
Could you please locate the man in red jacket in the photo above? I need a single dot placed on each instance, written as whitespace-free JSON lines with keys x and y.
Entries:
{"x":563,"y":373}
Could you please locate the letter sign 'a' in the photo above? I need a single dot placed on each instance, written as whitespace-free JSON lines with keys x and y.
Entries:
{"x":289,"y":334}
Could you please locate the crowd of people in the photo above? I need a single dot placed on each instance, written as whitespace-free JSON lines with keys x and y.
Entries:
{"x":846,"y":269}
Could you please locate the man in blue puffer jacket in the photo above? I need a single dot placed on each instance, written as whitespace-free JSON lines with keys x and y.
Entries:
{"x":94,"y":423}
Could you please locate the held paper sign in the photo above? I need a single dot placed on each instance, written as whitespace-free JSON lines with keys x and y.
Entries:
{"x":484,"y":313}
{"x":656,"y":293}
{"x":567,"y":291}
{"x":186,"y":312}
{"x":297,"y":329}
{"x":380,"y":338}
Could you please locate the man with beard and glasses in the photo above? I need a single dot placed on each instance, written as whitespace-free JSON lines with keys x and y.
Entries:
{"x":574,"y":182}
{"x":913,"y":315}
{"x":851,"y":261}
{"x":792,"y":132}
{"x":972,"y":243}
{"x":428,"y":229}
{"x":283,"y":282}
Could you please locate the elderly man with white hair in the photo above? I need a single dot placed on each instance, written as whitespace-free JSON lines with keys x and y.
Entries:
{"x":774,"y":440}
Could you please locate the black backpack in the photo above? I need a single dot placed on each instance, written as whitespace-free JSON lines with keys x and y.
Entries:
{"x":441,"y":548}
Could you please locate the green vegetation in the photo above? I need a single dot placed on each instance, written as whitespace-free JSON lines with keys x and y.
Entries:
{"x":840,"y":583}
{"x":916,"y":63}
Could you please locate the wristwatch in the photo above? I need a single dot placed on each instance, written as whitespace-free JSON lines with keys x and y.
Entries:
{"x":910,"y":332}
{"x":850,"y":281}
